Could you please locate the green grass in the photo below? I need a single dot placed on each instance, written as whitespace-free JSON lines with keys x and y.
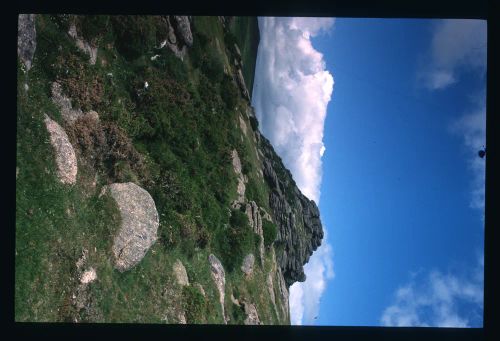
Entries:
{"x":246,"y":31}
{"x":184,"y":130}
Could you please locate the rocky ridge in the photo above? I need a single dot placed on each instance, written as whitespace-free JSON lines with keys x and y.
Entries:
{"x":298,"y":219}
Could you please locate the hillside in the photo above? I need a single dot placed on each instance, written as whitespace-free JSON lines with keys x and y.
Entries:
{"x":144,"y":189}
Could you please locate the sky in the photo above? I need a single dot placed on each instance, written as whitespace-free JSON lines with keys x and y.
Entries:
{"x":380,"y":122}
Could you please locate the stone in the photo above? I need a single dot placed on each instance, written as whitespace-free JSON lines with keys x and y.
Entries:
{"x":235,"y":301}
{"x":241,"y":187}
{"x":67,"y":166}
{"x":139,"y":224}
{"x":200,"y":288}
{"x":247,"y":266}
{"x":252,"y":316}
{"x":236,"y":162}
{"x":238,"y":53}
{"x":26,"y":39}
{"x":181,"y":318}
{"x":255,"y":221}
{"x":180,"y":273}
{"x":171,"y":35}
{"x":63,"y":103}
{"x":241,"y":83}
{"x":89,"y":49}
{"x":183,"y":29}
{"x":88,"y":276}
{"x":243,"y":125}
{"x":219,"y":277}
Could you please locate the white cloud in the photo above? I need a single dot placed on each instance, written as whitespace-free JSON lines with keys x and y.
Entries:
{"x":305,"y":297}
{"x":472,"y":128}
{"x":457,"y":44}
{"x":291,"y":93}
{"x":435,"y":300}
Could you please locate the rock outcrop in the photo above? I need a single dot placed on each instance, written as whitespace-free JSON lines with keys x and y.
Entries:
{"x":180,"y":273}
{"x":139,"y":224}
{"x":179,"y":36}
{"x":26,"y":39}
{"x":299,"y":226}
{"x":183,"y":29}
{"x":242,"y":180}
{"x":255,"y":220}
{"x":89,"y":49}
{"x":247,"y":266}
{"x":63,"y":103}
{"x":252,"y":316}
{"x":219,"y":277}
{"x":67,"y":166}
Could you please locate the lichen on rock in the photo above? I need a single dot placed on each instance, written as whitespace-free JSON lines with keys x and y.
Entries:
{"x":26,"y":39}
{"x":219,"y":277}
{"x":180,"y":273}
{"x":63,"y":103}
{"x":139,"y":224}
{"x":247,"y":266}
{"x":252,"y":315}
{"x":90,"y":50}
{"x":66,"y":163}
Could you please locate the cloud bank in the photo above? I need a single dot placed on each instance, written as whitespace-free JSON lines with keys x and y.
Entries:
{"x":457,"y":45}
{"x":291,"y":92}
{"x":438,"y":300}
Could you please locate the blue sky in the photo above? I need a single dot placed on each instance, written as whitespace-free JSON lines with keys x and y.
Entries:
{"x":380,"y":121}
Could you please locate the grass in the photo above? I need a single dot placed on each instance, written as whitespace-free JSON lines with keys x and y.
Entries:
{"x":246,"y":31}
{"x":183,"y":130}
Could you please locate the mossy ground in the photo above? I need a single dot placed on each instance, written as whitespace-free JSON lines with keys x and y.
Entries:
{"x":184,"y":130}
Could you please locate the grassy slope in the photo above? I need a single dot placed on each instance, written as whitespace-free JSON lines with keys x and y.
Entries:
{"x":246,"y":31}
{"x":183,"y":130}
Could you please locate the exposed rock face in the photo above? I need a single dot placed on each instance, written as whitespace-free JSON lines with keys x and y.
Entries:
{"x":252,"y":316}
{"x":247,"y":266}
{"x":299,"y":226}
{"x":219,"y":277}
{"x":183,"y":29}
{"x":270,"y":288}
{"x":255,"y":221}
{"x":241,"y":178}
{"x":139,"y":224}
{"x":63,"y":103}
{"x":26,"y":39}
{"x":179,"y":37}
{"x":83,"y":45}
{"x":180,"y":273}
{"x":67,"y":166}
{"x":242,"y":85}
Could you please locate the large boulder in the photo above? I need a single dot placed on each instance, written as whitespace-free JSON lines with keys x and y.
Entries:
{"x":26,"y":39}
{"x":67,"y":166}
{"x":139,"y":224}
{"x":219,"y":277}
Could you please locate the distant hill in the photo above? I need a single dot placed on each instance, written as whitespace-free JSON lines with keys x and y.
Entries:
{"x":145,"y":191}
